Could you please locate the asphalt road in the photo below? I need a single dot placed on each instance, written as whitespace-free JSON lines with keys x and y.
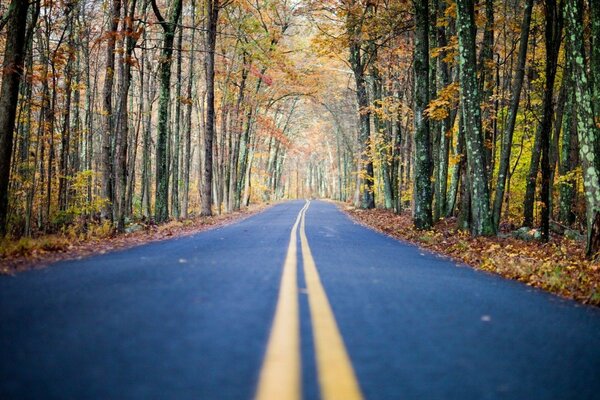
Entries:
{"x":356,"y":315}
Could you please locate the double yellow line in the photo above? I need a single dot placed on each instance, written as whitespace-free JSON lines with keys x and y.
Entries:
{"x":280,"y":377}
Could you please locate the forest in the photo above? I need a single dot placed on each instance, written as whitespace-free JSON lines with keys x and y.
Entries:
{"x":115,"y":112}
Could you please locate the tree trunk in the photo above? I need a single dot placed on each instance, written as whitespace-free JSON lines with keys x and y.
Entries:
{"x":569,"y":147}
{"x":470,"y":102}
{"x":422,"y":217}
{"x":122,"y":120}
{"x":553,"y":35}
{"x":65,"y":140}
{"x":188,"y":116}
{"x":107,"y":113}
{"x":212,"y":12}
{"x":445,"y":127}
{"x":486,"y":85}
{"x":358,"y":63}
{"x":12,"y":69}
{"x":162,"y":164}
{"x":507,"y":137}
{"x":586,"y":129}
{"x":595,"y":63}
{"x":177,"y":141}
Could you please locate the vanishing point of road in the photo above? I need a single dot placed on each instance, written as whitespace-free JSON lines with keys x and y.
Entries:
{"x":297,"y":302}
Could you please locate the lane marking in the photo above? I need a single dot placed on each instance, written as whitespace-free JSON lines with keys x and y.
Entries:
{"x":337,"y":379}
{"x":281,"y":370}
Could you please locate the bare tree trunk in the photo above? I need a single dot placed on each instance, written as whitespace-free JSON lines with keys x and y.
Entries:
{"x":122,"y":120}
{"x":207,"y":170}
{"x":481,"y":223}
{"x":107,"y":112}
{"x":553,"y":35}
{"x":162,"y":164}
{"x":177,"y":141}
{"x":422,"y":215}
{"x":507,"y":137}
{"x":188,"y":116}
{"x":9,"y":92}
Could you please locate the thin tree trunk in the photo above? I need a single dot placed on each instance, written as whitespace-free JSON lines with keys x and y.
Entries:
{"x":553,"y":35}
{"x":122,"y":120}
{"x":177,"y":141}
{"x":212,"y":12}
{"x":569,"y":147}
{"x":188,"y":116}
{"x":107,"y":113}
{"x":507,"y":137}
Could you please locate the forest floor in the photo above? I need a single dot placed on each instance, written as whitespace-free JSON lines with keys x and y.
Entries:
{"x":26,"y":253}
{"x":559,"y":266}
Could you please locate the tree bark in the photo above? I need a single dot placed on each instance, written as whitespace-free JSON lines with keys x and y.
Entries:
{"x":507,"y":137}
{"x":422,"y":216}
{"x":122,"y":120}
{"x":586,"y":129}
{"x":162,"y":165}
{"x":11,"y":75}
{"x":553,"y":36}
{"x":188,"y":116}
{"x":445,"y":127}
{"x":569,"y":147}
{"x":107,"y":114}
{"x":212,"y":12}
{"x":175,"y":206}
{"x":358,"y":63}
{"x":470,"y":102}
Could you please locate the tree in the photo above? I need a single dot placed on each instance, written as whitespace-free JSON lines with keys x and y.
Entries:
{"x":507,"y":138}
{"x":212,"y":17}
{"x":162,"y":164}
{"x":586,"y":129}
{"x":359,"y":61}
{"x":422,"y":156}
{"x":122,"y":120}
{"x":107,"y":113}
{"x":9,"y":91}
{"x":553,"y":35}
{"x":188,"y":118}
{"x":470,"y":102}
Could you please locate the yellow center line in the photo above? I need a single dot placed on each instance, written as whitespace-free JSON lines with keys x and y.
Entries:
{"x":281,"y":371}
{"x":337,"y":379}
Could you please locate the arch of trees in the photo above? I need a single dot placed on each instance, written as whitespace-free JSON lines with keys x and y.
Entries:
{"x":120,"y":110}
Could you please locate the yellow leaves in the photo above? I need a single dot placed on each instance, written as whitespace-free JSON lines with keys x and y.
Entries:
{"x":451,"y":10}
{"x":439,"y":108}
{"x":388,"y":108}
{"x":570,"y":177}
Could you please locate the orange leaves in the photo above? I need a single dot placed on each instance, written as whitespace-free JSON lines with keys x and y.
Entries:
{"x":439,"y":108}
{"x":267,"y":80}
{"x":267,"y":126}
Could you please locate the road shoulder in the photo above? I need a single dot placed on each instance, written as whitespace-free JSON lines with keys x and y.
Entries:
{"x":559,"y":267}
{"x":26,"y":254}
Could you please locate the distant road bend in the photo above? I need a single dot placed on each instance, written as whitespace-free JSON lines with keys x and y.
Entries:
{"x":297,"y":302}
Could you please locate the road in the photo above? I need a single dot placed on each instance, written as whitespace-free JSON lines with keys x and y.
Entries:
{"x":328,"y":309}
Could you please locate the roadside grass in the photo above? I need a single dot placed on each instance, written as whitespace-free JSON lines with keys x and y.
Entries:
{"x":74,"y":242}
{"x":559,"y":266}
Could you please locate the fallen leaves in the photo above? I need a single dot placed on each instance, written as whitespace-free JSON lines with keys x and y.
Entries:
{"x":559,"y":266}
